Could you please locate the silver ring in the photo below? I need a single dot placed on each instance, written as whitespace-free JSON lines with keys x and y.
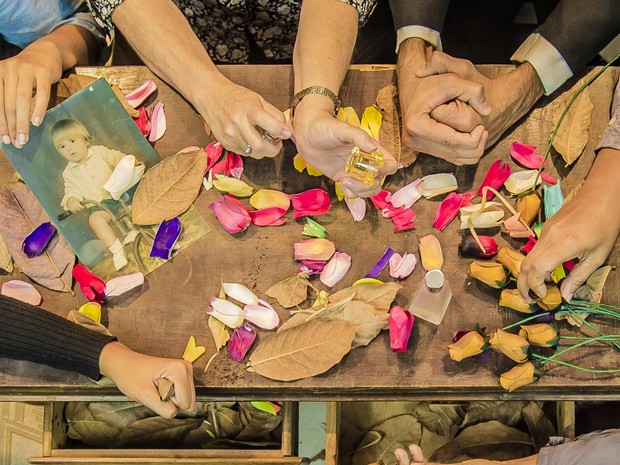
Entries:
{"x":248,"y":151}
{"x":268,"y":137}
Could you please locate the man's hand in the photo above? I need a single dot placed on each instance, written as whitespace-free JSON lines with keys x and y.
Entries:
{"x":326,"y":143}
{"x":135,"y":376}
{"x":509,"y":96}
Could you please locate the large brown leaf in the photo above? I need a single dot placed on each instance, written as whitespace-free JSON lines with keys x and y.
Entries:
{"x":6,"y":260}
{"x":494,"y":441}
{"x":507,"y":411}
{"x":390,"y":132}
{"x":306,"y":350}
{"x":379,"y":296}
{"x":75,"y":82}
{"x":290,"y":292}
{"x":539,"y":426}
{"x":82,"y":320}
{"x":367,"y":321}
{"x":399,"y":431}
{"x":572,"y":135}
{"x":20,"y":214}
{"x":169,"y":188}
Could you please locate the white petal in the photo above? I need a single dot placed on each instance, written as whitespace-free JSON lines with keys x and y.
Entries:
{"x":121,"y":284}
{"x":126,"y":174}
{"x":227,"y":312}
{"x":21,"y":290}
{"x":158,"y":122}
{"x":357,"y":207}
{"x":408,"y":195}
{"x":263,"y":317}
{"x":139,"y":95}
{"x":241,"y":293}
{"x":401,"y":267}
{"x":208,"y":181}
{"x":436,"y":184}
{"x":521,"y":181}
{"x":491,"y":217}
{"x":335,"y":269}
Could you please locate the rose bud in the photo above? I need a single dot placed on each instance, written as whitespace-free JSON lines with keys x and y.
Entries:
{"x":490,"y":273}
{"x":541,"y":334}
{"x":469,"y":248}
{"x":512,"y":346}
{"x":511,"y":259}
{"x":520,"y":375}
{"x":472,"y":343}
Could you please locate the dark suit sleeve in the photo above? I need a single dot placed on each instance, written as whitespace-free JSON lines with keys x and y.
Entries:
{"x":30,"y":333}
{"x":428,"y":13}
{"x":579,"y":29}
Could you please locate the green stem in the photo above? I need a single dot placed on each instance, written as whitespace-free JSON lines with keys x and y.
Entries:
{"x":592,"y":327}
{"x":568,"y":105}
{"x":584,"y":338}
{"x":559,"y":362}
{"x":584,"y":303}
{"x":583,"y":343}
{"x":575,"y":308}
{"x":525,"y":320}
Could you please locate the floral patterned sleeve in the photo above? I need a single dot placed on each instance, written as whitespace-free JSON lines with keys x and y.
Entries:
{"x":102,"y":11}
{"x":364,"y":7}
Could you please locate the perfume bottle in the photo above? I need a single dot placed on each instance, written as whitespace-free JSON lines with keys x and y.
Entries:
{"x":432,"y":297}
{"x":363,"y":165}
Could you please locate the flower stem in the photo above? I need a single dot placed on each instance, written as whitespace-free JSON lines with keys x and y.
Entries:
{"x":583,"y":343}
{"x":525,"y":320}
{"x":592,"y":327}
{"x":576,"y":367}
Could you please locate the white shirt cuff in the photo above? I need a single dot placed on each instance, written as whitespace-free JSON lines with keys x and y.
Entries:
{"x":421,"y":32}
{"x":548,"y":62}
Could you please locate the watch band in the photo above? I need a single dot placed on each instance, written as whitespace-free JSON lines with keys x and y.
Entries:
{"x":315,"y":90}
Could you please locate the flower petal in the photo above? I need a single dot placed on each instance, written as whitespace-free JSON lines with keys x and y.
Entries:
{"x":378,"y":267}
{"x":313,"y":229}
{"x":225,"y":311}
{"x":521,"y":181}
{"x":348,"y":115}
{"x":311,"y":203}
{"x":92,"y":286}
{"x":437,"y":184}
{"x":528,"y":206}
{"x":371,"y":121}
{"x":335,"y":269}
{"x":404,"y":220}
{"x":143,"y":122}
{"x":167,"y":236}
{"x":267,"y":198}
{"x":22,"y":291}
{"x":357,"y":207}
{"x":136,"y":97}
{"x":448,"y":210}
{"x":314,"y":249}
{"x":263,"y":316}
{"x":234,"y":165}
{"x":362,"y":281}
{"x":400,"y":323}
{"x":312,"y":266}
{"x":339,"y":194}
{"x":231,"y":213}
{"x":240,"y":342}
{"x":192,"y":351}
{"x":408,"y":195}
{"x":496,"y":176}
{"x":158,"y":122}
{"x":301,"y":165}
{"x":268,"y":216}
{"x":232,"y":186}
{"x":469,"y":248}
{"x":214,"y":153}
{"x":381,"y":200}
{"x":401,"y":267}
{"x":527,"y":248}
{"x":553,"y":199}
{"x":548,"y":178}
{"x":240,"y":293}
{"x":126,"y":174}
{"x":35,"y":243}
{"x":515,"y":227}
{"x":488,"y":217}
{"x":121,"y":284}
{"x":91,"y":310}
{"x":430,"y":253}
{"x":526,"y":155}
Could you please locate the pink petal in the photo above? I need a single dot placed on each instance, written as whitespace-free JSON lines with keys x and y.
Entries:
{"x":448,"y":210}
{"x":92,"y":286}
{"x":231,"y":213}
{"x":214,"y":153}
{"x":569,"y":265}
{"x":529,"y":245}
{"x":312,"y":266}
{"x":404,"y":220}
{"x":495,"y":177}
{"x":515,"y":228}
{"x":264,"y":317}
{"x":142,"y":121}
{"x":234,"y":165}
{"x":158,"y":122}
{"x":357,"y":207}
{"x":272,"y":216}
{"x":311,"y":203}
{"x":240,"y":342}
{"x":401,"y":267}
{"x":220,"y":167}
{"x":335,"y":269}
{"x":548,"y":178}
{"x":381,"y":199}
{"x":390,"y":211}
{"x":314,"y":249}
{"x":140,"y":94}
{"x":408,"y":195}
{"x":400,"y":323}
{"x":526,"y":155}
{"x":21,"y":290}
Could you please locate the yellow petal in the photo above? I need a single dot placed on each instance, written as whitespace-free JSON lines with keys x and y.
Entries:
{"x":511,"y":259}
{"x":528,"y":206}
{"x":430,"y":252}
{"x":511,"y":298}
{"x":541,"y":334}
{"x":339,"y":192}
{"x":469,"y":345}
{"x":373,"y":281}
{"x":233,"y":186}
{"x":520,"y":375}
{"x":312,"y":171}
{"x":490,"y":273}
{"x":266,"y":198}
{"x":371,"y":121}
{"x":552,"y":299}
{"x":92,"y":310}
{"x":299,"y":163}
{"x":511,"y":345}
{"x":192,"y":351}
{"x":348,"y":115}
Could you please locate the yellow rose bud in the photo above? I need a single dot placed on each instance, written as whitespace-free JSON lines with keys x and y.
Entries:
{"x":511,"y":259}
{"x":511,"y":298}
{"x":528,"y":206}
{"x":470,"y":344}
{"x":541,"y":335}
{"x":490,"y":273}
{"x":552,"y":300}
{"x":512,"y":346}
{"x":520,"y":375}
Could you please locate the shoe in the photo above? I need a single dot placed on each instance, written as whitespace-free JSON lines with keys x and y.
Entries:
{"x":131,"y":236}
{"x":120,"y":260}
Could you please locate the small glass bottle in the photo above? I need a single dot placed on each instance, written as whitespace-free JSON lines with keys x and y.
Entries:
{"x":432,"y":297}
{"x":364,"y":166}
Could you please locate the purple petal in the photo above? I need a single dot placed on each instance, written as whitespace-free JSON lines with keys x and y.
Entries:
{"x":167,"y":235}
{"x":241,"y":341}
{"x":381,"y":264}
{"x":36,"y":242}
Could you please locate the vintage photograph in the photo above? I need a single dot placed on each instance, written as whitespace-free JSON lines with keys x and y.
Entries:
{"x":75,"y":163}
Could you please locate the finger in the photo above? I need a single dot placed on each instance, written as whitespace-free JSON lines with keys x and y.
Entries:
{"x":532,"y":277}
{"x":260,"y":147}
{"x":22,"y":111}
{"x":416,"y":453}
{"x":10,"y":87}
{"x":441,"y":63}
{"x":458,"y":115}
{"x":272,"y":120}
{"x":578,"y":275}
{"x":462,"y":144}
{"x":183,"y":389}
{"x":401,"y":456}
{"x":42,"y":98}
{"x":353,"y":188}
{"x":151,"y":399}
{"x":467,"y":91}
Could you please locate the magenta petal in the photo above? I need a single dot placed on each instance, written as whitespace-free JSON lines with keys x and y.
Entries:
{"x":167,"y":235}
{"x":390,"y":211}
{"x":272,"y":216}
{"x":381,"y":200}
{"x":240,"y":342}
{"x":400,"y":323}
{"x":312,"y":266}
{"x":158,"y":123}
{"x":495,"y":177}
{"x":448,"y":210}
{"x":526,"y":155}
{"x":35,"y":243}
{"x":311,"y":203}
{"x":234,"y":164}
{"x":91,"y":285}
{"x":220,"y":168}
{"x":529,"y":245}
{"x":214,"y":153}
{"x":142,"y":121}
{"x":136,"y":97}
{"x":231,"y":213}
{"x":548,"y":178}
{"x":376,"y":270}
{"x":404,"y":220}
{"x":469,"y":248}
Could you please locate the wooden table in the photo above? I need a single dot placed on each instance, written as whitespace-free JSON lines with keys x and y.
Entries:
{"x":171,"y":305}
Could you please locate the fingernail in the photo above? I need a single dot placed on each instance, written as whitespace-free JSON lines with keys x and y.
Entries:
{"x":286,"y":134}
{"x":22,"y":138}
{"x":6,"y":140}
{"x":36,"y":120}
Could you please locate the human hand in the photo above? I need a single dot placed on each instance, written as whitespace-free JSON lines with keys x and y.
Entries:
{"x":326,"y":143}
{"x":135,"y":375}
{"x":234,"y":113}
{"x":416,"y":454}
{"x":508,"y":97}
{"x":74,"y":205}
{"x":30,"y":70}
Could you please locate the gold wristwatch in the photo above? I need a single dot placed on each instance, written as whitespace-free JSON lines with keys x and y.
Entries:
{"x":315,"y":90}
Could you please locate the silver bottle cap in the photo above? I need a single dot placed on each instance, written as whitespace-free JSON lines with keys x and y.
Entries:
{"x":434,"y":280}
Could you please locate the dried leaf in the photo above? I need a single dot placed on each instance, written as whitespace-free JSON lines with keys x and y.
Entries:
{"x":443,"y":419}
{"x":76,"y":82}
{"x":508,"y":412}
{"x":165,"y":388}
{"x":6,"y":260}
{"x":572,"y":135}
{"x":399,"y":431}
{"x":494,"y":441}
{"x":539,"y":426}
{"x":157,"y":432}
{"x":219,"y":332}
{"x":290,"y":292}
{"x":390,"y":132}
{"x":169,"y":188}
{"x":305,"y":350}
{"x":82,"y":320}
{"x":379,"y":296}
{"x":20,"y":214}
{"x":368,"y":321}
{"x":592,"y":289}
{"x":255,"y":423}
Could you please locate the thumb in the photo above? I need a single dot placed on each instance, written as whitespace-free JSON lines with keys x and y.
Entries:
{"x":580,"y":273}
{"x":349,"y":134}
{"x":416,"y":454}
{"x":165,"y":409}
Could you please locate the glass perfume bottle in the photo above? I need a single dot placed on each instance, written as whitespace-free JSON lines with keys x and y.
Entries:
{"x":363,"y":165}
{"x":432,"y":297}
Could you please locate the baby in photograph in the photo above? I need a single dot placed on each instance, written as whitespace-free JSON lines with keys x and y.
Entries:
{"x":88,"y":169}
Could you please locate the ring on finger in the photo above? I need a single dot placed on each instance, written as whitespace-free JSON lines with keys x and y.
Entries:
{"x":248,"y":151}
{"x":267,"y":136}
